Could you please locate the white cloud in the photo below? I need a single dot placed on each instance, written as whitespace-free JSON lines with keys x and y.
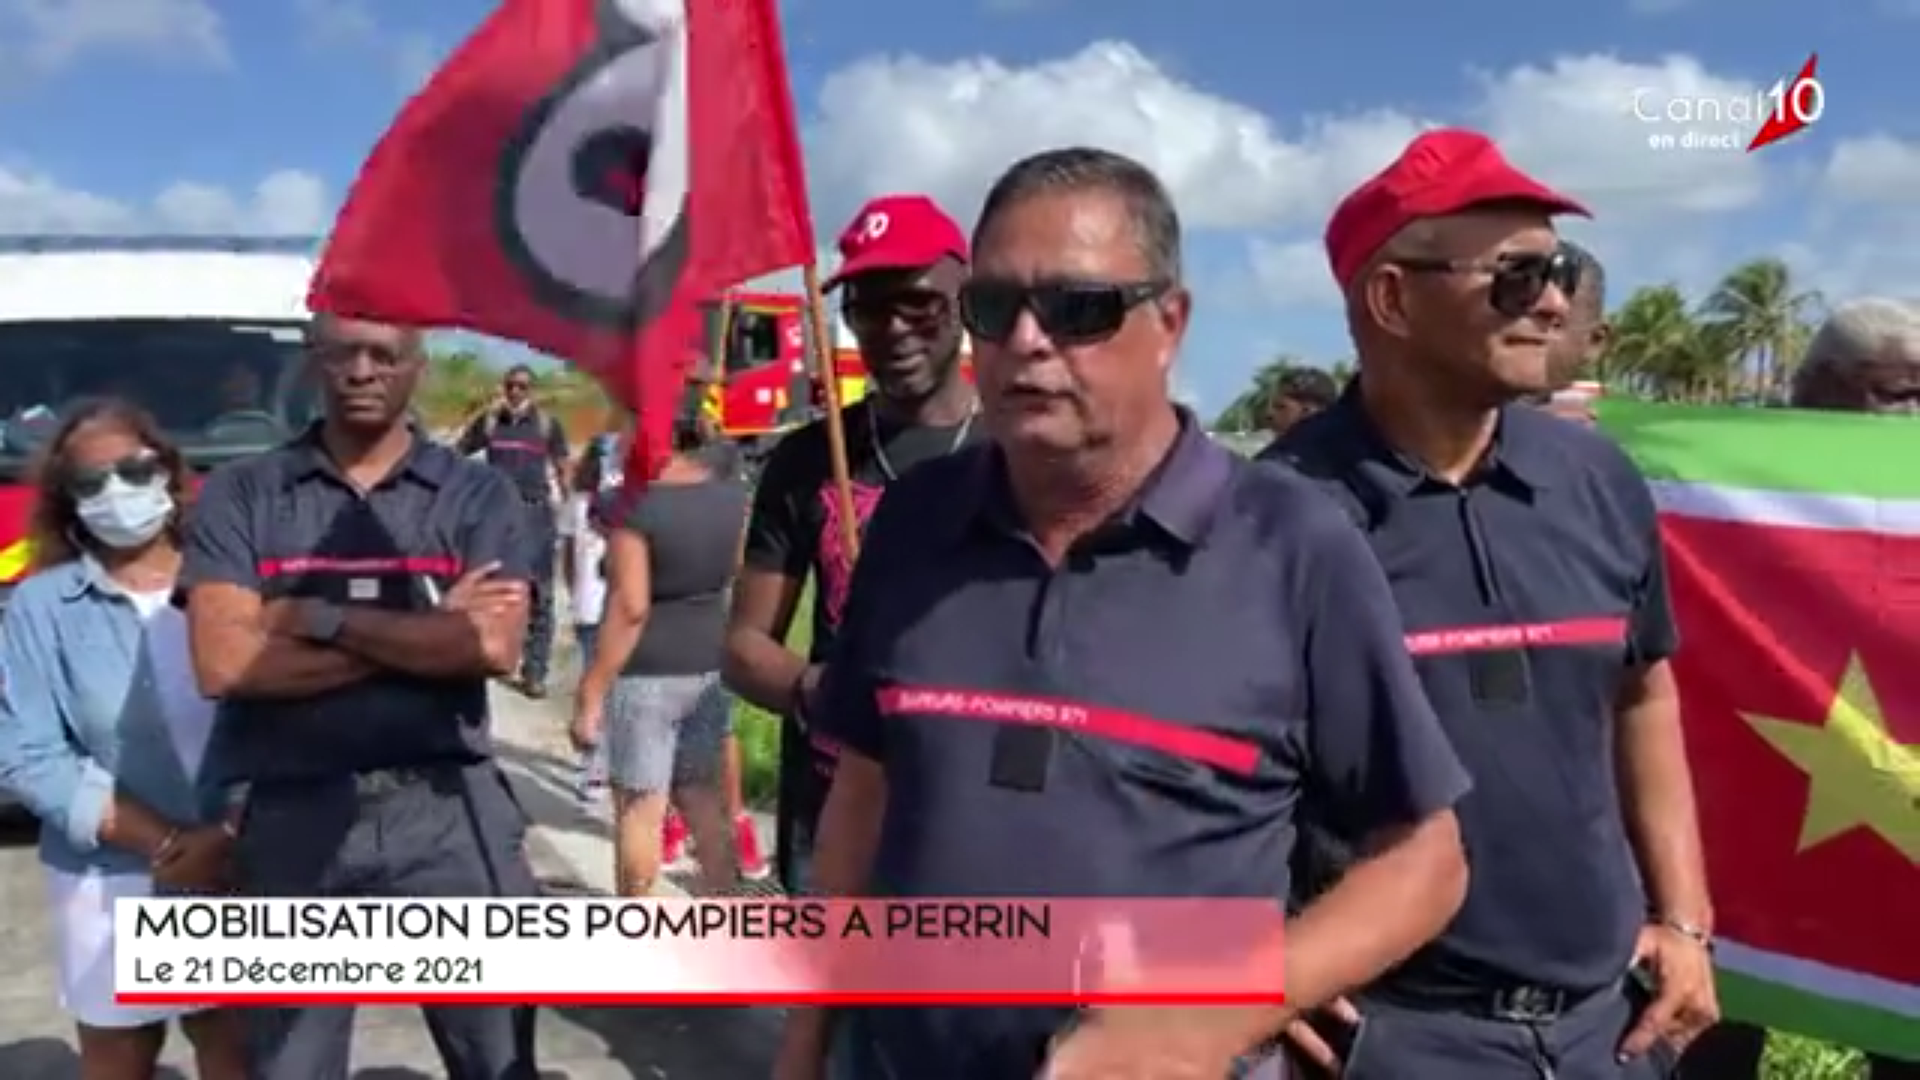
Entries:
{"x":1292,"y":274}
{"x":285,"y":203}
{"x":351,"y":24}
{"x":48,"y":35}
{"x":909,"y":124}
{"x":1573,"y":123}
{"x":1875,"y":168}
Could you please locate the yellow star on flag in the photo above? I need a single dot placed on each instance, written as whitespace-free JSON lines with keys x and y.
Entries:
{"x":1857,"y":775}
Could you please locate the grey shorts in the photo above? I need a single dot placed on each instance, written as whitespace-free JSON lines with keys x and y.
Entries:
{"x":665,"y":731}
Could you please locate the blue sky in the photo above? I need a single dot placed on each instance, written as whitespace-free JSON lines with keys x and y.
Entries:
{"x":221,"y":114}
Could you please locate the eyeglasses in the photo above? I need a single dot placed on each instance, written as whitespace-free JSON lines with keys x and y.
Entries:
{"x":873,"y":311}
{"x":1518,"y":280}
{"x":136,"y":470}
{"x":1069,"y":312}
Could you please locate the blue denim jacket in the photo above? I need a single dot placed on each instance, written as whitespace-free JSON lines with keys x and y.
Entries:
{"x":79,"y":717}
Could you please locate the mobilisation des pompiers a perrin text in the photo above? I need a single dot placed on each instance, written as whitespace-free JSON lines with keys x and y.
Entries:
{"x":494,"y":920}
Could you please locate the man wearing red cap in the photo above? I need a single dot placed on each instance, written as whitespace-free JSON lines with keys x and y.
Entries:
{"x":1526,"y":562}
{"x":903,"y":260}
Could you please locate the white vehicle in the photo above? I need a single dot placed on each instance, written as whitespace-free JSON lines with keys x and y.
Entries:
{"x":203,"y":332}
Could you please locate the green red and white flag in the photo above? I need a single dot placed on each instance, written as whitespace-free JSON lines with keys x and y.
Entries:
{"x":1793,"y":546}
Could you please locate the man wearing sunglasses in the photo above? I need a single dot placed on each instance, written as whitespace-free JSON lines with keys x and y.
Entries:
{"x":1527,"y":565}
{"x":348,"y":596}
{"x":1104,"y":655}
{"x":903,"y":260}
{"x":528,"y":444}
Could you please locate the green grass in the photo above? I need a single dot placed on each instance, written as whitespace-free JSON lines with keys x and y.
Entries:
{"x":1789,"y":1057}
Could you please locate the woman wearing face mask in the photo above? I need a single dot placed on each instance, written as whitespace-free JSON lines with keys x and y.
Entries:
{"x":102,"y":729}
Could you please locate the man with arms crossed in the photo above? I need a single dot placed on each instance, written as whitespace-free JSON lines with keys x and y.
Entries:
{"x":1103,"y":552}
{"x":348,"y":596}
{"x":903,"y":261}
{"x":1526,"y":563}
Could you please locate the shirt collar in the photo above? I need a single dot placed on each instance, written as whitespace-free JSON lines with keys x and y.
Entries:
{"x":425,"y":460}
{"x":1179,"y":500}
{"x":84,"y":575}
{"x":1516,"y":457}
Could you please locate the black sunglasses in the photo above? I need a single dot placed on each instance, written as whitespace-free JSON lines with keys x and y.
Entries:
{"x":1069,"y":312}
{"x":138,"y":470}
{"x":871,"y":311}
{"x":1517,"y":280}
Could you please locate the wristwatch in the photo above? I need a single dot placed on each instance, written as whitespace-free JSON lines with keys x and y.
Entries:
{"x":322,"y":622}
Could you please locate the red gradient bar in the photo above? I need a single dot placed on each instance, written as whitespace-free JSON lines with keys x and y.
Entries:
{"x":721,"y":952}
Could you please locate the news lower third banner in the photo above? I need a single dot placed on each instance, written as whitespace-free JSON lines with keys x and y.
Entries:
{"x":761,"y":952}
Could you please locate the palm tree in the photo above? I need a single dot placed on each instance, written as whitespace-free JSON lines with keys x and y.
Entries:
{"x":1658,"y":349}
{"x":1764,"y":321}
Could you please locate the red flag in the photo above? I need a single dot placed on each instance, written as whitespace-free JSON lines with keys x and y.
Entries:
{"x":579,"y":176}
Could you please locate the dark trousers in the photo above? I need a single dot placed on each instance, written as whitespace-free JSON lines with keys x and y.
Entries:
{"x":539,"y":647}
{"x":452,"y":832}
{"x":1398,"y":1040}
{"x":1733,"y":1052}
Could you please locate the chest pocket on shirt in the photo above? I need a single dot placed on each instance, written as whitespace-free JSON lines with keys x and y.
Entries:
{"x":370,"y":551}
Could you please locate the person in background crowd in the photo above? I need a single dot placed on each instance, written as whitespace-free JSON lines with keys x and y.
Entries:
{"x":1527,"y":566}
{"x":528,"y":444}
{"x":102,"y":731}
{"x":582,"y":563}
{"x":903,"y":260}
{"x":1102,"y":553}
{"x":1864,"y":358}
{"x":1300,"y":393}
{"x":653,"y":689}
{"x":1580,"y":343}
{"x":353,"y":684}
{"x":722,"y":457}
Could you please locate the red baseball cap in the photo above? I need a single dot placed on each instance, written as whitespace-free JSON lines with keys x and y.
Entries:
{"x":897,"y":232}
{"x":1439,"y":173}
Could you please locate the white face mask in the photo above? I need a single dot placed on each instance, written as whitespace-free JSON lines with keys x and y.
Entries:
{"x":126,"y":515}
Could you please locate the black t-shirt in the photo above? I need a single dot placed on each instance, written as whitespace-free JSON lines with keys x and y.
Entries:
{"x":692,"y":533}
{"x":796,"y":531}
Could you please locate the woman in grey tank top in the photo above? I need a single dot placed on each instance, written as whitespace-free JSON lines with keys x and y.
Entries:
{"x":653,"y":689}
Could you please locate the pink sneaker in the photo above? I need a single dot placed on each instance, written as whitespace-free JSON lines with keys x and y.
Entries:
{"x":673,"y":841}
{"x":753,"y":866}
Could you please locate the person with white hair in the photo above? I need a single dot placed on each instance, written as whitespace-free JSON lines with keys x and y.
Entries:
{"x":1865,"y":358}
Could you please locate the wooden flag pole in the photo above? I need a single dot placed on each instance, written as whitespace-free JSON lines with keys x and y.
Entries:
{"x":830,"y":389}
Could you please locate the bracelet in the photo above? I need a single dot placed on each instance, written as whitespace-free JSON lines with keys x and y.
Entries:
{"x":166,"y":845}
{"x":1693,"y":932}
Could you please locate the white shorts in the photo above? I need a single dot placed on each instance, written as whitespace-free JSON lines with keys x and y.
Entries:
{"x":82,"y":909}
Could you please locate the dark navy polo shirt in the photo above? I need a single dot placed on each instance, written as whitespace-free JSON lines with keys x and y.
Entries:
{"x":1142,"y":720}
{"x":287,"y":524}
{"x":525,"y":446}
{"x":1527,"y":594}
